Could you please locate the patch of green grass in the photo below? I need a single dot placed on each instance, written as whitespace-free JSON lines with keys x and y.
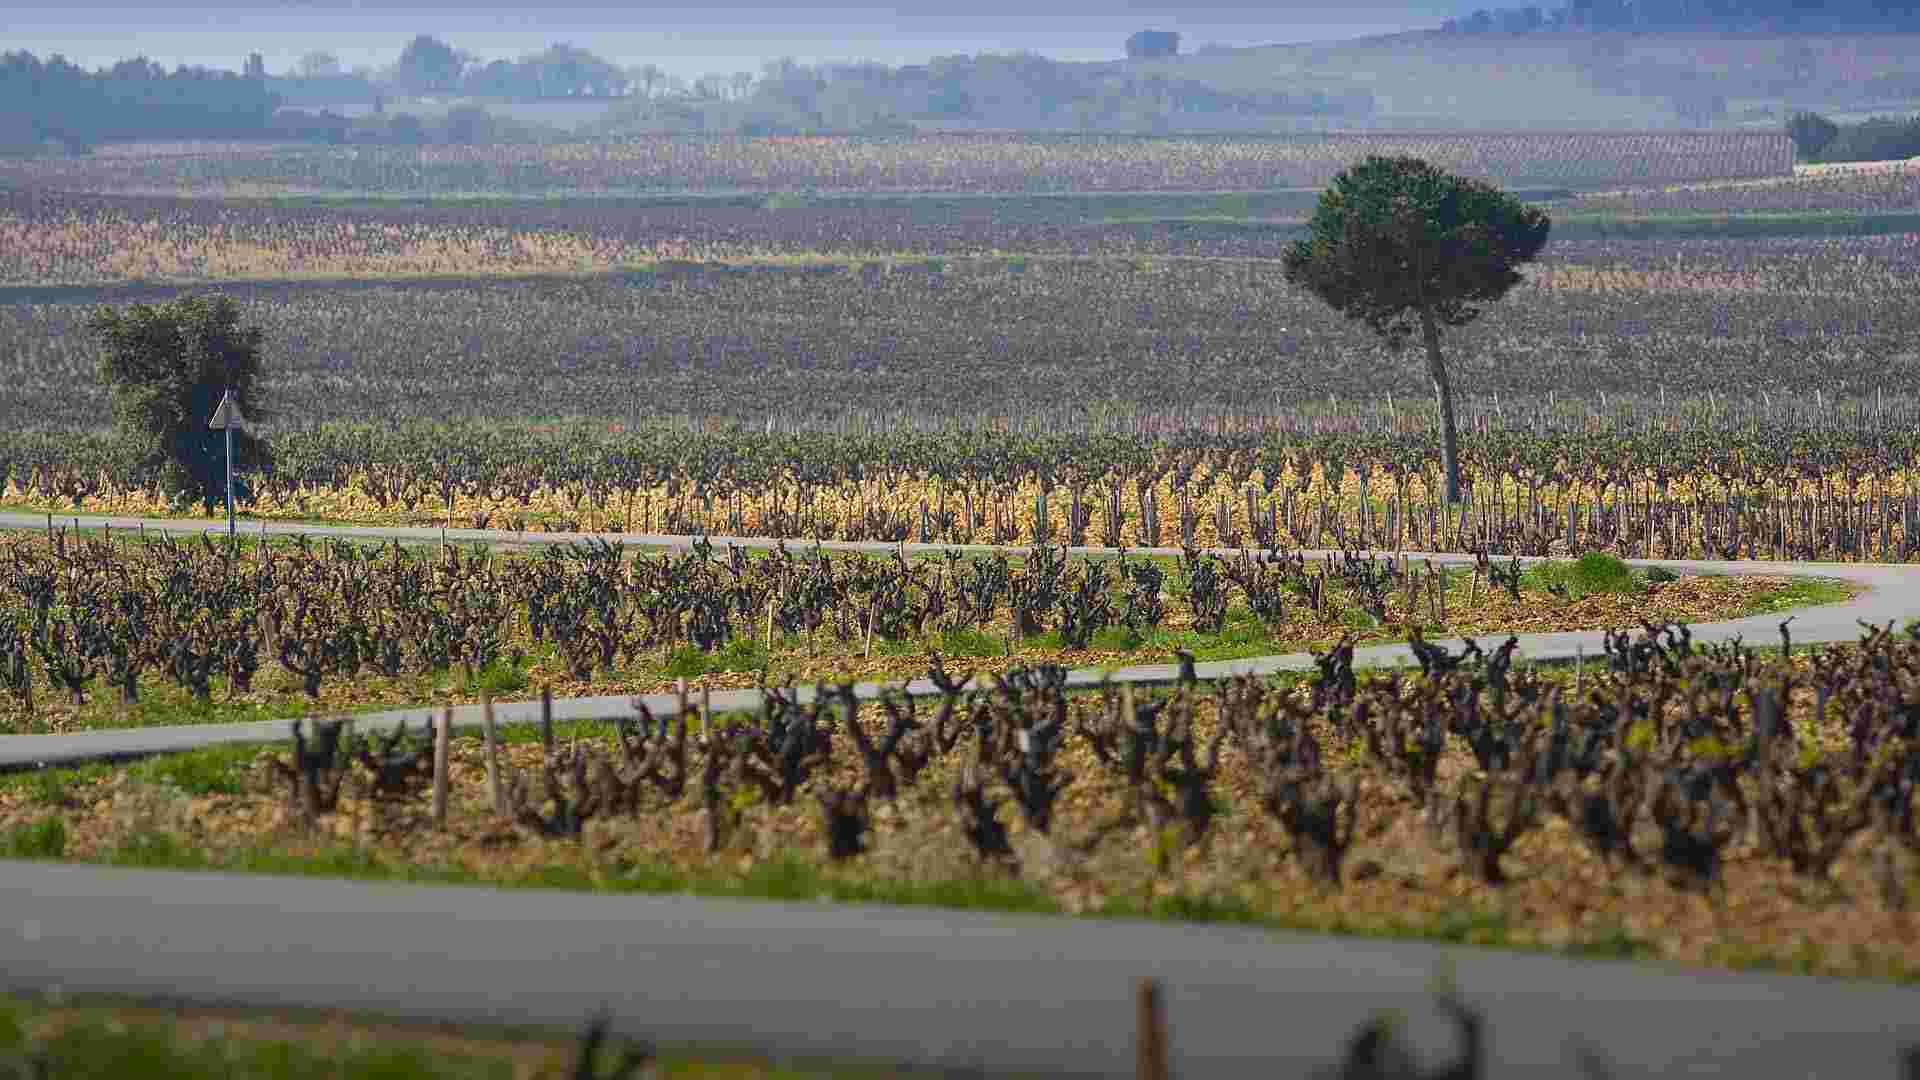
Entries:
{"x":164,"y":704}
{"x":1116,"y":639}
{"x":1467,"y":926}
{"x":212,"y":770}
{"x":783,"y":878}
{"x":742,"y":655}
{"x":687,"y":662}
{"x":967,"y":641}
{"x":1194,"y":908}
{"x":1235,"y":641}
{"x":96,"y":1035}
{"x":42,"y":839}
{"x":1611,"y":943}
{"x":496,"y":680}
{"x":105,"y":1046}
{"x":1595,"y":573}
{"x":902,"y":646}
{"x":1048,"y":640}
{"x":1357,"y":619}
{"x":1800,"y":592}
{"x":53,"y":787}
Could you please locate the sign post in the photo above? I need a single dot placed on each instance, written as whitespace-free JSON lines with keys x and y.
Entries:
{"x":226,"y":417}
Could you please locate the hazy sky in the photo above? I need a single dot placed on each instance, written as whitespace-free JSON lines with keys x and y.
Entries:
{"x":688,"y":39}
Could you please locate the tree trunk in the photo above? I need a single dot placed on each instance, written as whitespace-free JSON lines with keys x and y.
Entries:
{"x":1443,"y":392}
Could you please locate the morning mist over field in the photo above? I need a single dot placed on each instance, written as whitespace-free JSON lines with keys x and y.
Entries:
{"x":684,"y":39}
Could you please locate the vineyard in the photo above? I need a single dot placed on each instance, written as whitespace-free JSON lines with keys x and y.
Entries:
{"x":54,"y":239}
{"x":1067,"y":340}
{"x":1082,"y":401}
{"x":49,"y":239}
{"x":1548,"y":491}
{"x":1701,"y":805}
{"x":1040,"y":341}
{"x":945,"y":162}
{"x":91,"y":629}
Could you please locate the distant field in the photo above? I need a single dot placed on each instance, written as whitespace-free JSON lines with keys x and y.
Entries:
{"x":1876,"y":187}
{"x":1019,"y":335}
{"x":952,"y":163}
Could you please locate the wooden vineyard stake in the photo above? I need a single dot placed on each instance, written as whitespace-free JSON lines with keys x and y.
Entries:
{"x":493,"y":754}
{"x":546,"y":723}
{"x":442,"y":731}
{"x":1150,"y":1031}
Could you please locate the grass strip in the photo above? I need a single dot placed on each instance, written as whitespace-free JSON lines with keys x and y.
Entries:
{"x":59,"y":1036}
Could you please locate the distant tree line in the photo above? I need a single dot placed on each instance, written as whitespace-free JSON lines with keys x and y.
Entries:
{"x":1880,"y":138}
{"x":1716,"y":15}
{"x":1017,"y":90}
{"x":58,"y":102}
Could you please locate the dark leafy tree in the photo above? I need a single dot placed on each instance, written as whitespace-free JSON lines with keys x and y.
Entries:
{"x":405,"y":129}
{"x":1811,"y":133}
{"x":1403,"y":245}
{"x":428,"y":64}
{"x":58,"y":102}
{"x":167,"y":366}
{"x":469,"y":125}
{"x":1153,"y":44}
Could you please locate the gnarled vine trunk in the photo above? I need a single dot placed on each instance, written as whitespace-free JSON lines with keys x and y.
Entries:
{"x":1443,"y":393}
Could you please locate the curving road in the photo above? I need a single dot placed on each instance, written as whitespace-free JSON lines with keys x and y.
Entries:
{"x":968,"y":990}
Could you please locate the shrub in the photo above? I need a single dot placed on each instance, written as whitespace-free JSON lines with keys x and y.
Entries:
{"x":1599,"y":572}
{"x":167,"y":366}
{"x":1811,"y":133}
{"x":1596,"y":572}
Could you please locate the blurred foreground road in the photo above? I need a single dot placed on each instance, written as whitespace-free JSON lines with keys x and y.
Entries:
{"x":995,"y":992}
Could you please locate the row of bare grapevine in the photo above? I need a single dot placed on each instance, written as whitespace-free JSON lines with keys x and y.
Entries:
{"x":1674,"y":764}
{"x":1794,"y":484}
{"x":84,"y":614}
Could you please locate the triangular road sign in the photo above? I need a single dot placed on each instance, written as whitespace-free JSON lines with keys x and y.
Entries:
{"x":227,"y":414}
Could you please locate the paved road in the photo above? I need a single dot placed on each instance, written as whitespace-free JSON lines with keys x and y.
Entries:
{"x":943,"y":988}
